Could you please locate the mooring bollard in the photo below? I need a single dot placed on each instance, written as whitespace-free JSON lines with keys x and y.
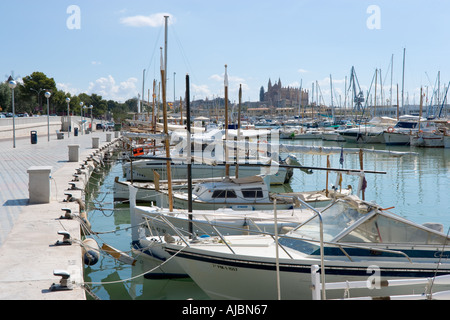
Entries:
{"x":39,"y":184}
{"x":95,"y":142}
{"x":74,"y":153}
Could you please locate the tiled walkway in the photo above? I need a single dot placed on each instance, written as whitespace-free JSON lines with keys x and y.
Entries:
{"x":14,"y":163}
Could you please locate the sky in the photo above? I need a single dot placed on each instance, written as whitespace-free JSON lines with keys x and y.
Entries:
{"x":104,"y":46}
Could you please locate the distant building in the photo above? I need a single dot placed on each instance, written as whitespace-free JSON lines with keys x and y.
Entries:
{"x":282,"y":97}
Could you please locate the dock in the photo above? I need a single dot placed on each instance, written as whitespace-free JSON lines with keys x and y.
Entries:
{"x":31,"y":254}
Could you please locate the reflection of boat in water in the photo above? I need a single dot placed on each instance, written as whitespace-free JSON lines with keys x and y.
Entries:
{"x":356,"y":236}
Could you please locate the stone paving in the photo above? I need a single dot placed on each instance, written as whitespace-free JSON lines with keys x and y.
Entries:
{"x":14,"y":163}
{"x":29,"y":255}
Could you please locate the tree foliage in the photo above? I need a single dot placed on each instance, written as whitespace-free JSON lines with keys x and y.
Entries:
{"x":29,"y":97}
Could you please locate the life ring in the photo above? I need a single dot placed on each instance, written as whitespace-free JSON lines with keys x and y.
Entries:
{"x":390,"y":129}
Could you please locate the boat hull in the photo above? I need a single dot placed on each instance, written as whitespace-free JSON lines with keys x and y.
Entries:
{"x":363,"y":137}
{"x":396,"y":139}
{"x":236,"y":277}
{"x":427,"y":140}
{"x":144,"y":171}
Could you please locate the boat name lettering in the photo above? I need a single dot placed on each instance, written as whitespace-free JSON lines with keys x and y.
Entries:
{"x":439,"y":254}
{"x":221,"y":267}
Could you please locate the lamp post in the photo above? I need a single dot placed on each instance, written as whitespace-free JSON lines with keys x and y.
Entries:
{"x":68,"y":117}
{"x":81,"y":115}
{"x":84,"y":115}
{"x":48,"y":95}
{"x":91,"y":107}
{"x":39,"y":96}
{"x":12,"y":85}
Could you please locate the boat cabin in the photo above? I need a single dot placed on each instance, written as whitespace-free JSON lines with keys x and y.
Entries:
{"x":249,"y":189}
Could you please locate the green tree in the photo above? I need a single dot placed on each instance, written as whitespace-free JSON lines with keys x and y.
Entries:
{"x":35,"y":85}
{"x":5,"y":97}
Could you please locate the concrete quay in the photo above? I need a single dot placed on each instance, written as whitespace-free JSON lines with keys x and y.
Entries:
{"x":29,"y":231}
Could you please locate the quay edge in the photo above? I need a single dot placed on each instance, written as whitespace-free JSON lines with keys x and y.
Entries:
{"x":29,"y":256}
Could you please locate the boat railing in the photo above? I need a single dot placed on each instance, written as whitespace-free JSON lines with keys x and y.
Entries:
{"x":317,"y":287}
{"x":258,"y":231}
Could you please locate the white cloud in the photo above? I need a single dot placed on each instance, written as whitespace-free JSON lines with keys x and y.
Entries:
{"x":302,"y":71}
{"x":153,"y":20}
{"x":67,"y":87}
{"x":200,"y":91}
{"x":110,"y":90}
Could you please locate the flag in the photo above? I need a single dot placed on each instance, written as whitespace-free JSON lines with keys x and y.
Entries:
{"x":364,"y":184}
{"x":341,"y":159}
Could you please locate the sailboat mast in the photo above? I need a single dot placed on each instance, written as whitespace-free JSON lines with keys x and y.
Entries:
{"x":166,"y":130}
{"x":227,"y":166}
{"x":403,"y":79}
{"x":189,"y":156}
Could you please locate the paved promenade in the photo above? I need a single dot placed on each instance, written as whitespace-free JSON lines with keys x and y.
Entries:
{"x":28,"y":232}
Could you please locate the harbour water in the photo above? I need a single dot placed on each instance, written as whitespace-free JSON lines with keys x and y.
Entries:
{"x":416,"y":186}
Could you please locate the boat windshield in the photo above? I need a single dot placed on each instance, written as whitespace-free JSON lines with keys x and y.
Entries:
{"x":336,"y":218}
{"x":358,"y":222}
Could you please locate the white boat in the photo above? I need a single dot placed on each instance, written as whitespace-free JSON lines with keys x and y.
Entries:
{"x":399,"y":134}
{"x":372,"y":132}
{"x":300,"y":133}
{"x":348,"y":239}
{"x":208,"y":152}
{"x":431,"y":134}
{"x":426,"y":139}
{"x":333,"y":135}
{"x":143,"y":170}
{"x":250,"y":193}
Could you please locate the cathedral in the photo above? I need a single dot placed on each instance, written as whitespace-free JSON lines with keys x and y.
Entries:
{"x":278,"y":96}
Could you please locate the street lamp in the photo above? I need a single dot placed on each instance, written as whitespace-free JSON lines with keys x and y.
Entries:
{"x":91,"y":107}
{"x":81,"y":115}
{"x":68,"y":117}
{"x":48,"y":95}
{"x":12,"y":85}
{"x":39,"y":96}
{"x":84,"y":114}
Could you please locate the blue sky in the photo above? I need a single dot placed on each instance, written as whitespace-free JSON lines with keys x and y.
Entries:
{"x":298,"y":41}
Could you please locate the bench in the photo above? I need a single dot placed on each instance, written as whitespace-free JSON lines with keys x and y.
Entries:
{"x":59,"y":135}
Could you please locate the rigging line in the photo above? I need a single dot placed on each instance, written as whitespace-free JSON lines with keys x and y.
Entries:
{"x":155,"y":50}
{"x":440,"y":259}
{"x":183,"y":54}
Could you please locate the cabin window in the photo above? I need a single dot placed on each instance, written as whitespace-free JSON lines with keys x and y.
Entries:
{"x":252,"y":193}
{"x":224,"y":194}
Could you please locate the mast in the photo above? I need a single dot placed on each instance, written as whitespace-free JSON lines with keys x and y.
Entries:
{"x":166,"y":130}
{"x":403,"y":80}
{"x":392,"y":75}
{"x":331,"y":88}
{"x":141,"y":104}
{"x":375,"y":100}
{"x":227,"y":166}
{"x":421,"y":105}
{"x":189,"y":157}
{"x":238,"y":131}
